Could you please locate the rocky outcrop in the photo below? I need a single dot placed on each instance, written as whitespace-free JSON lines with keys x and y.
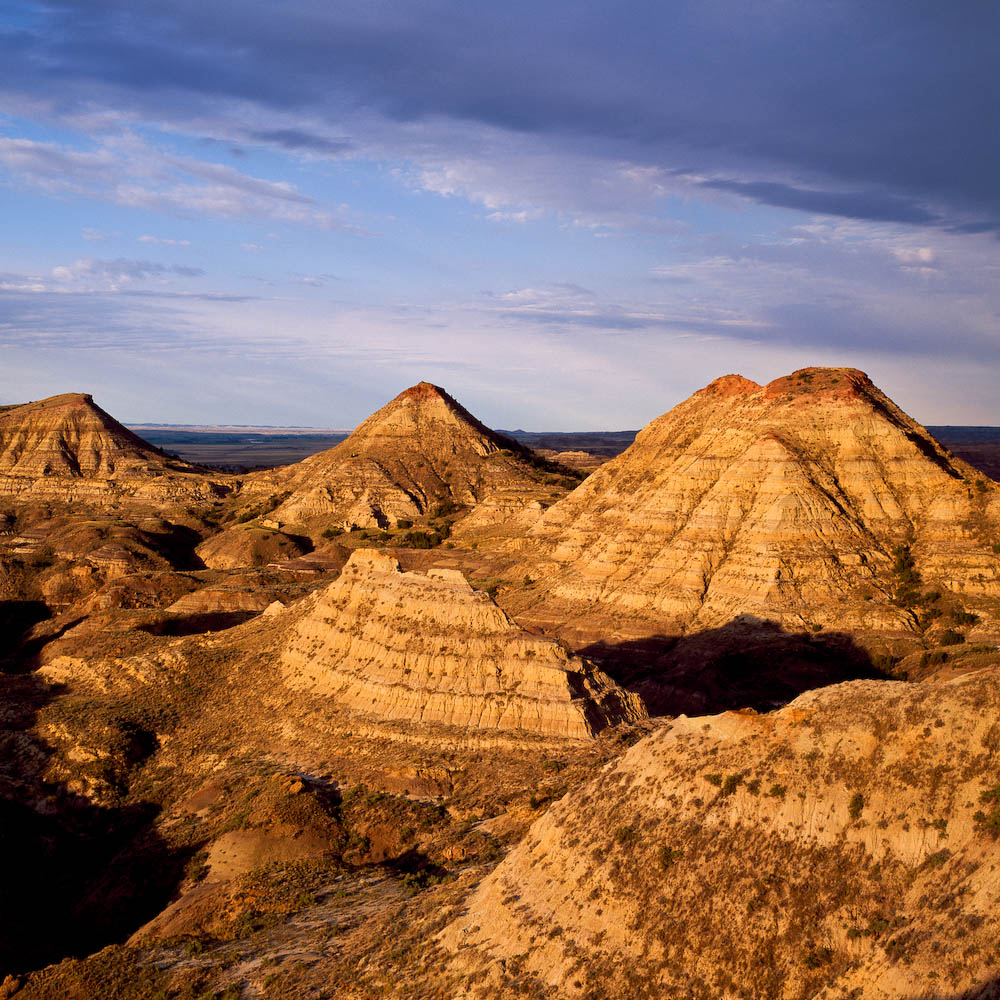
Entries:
{"x":430,"y":649}
{"x":67,"y":447}
{"x":420,"y":451}
{"x":843,"y":846}
{"x":787,"y":501}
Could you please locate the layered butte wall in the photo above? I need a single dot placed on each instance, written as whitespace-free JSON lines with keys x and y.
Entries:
{"x":786,"y":501}
{"x":67,"y":447}
{"x":430,"y":649}
{"x":421,"y":449}
{"x":845,"y":846}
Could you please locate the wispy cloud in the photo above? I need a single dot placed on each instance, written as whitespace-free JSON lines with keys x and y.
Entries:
{"x":128,"y":171}
{"x":162,"y":241}
{"x":113,"y":274}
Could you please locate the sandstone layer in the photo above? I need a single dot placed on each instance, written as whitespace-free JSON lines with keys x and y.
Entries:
{"x":421,"y":450}
{"x":430,"y":649}
{"x":843,"y":846}
{"x":787,"y":501}
{"x":66,"y":447}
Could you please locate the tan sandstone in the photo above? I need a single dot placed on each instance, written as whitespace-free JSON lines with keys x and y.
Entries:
{"x":838,"y":847}
{"x":67,"y":448}
{"x":421,"y":449}
{"x":430,"y":649}
{"x":785,"y":501}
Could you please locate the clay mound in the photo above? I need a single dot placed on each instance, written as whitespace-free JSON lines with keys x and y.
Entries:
{"x":67,"y":445}
{"x":430,"y":649}
{"x":839,"y":847}
{"x":786,"y":500}
{"x":250,"y":545}
{"x":421,"y":450}
{"x":237,"y":593}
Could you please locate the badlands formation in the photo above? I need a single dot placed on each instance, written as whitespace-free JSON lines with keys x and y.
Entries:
{"x":791,"y":501}
{"x":67,"y":448}
{"x":430,"y":649}
{"x":830,"y":849}
{"x":421,"y":450}
{"x":420,"y":716}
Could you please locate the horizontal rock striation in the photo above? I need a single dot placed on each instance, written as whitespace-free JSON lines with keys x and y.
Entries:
{"x":430,"y":649}
{"x":843,"y":846}
{"x":785,"y":500}
{"x":67,"y":447}
{"x":420,"y":450}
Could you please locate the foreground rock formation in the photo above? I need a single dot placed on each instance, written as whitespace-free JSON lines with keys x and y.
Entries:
{"x":844,"y":846}
{"x":421,"y":450}
{"x":430,"y":649}
{"x":813,"y":501}
{"x":67,"y":447}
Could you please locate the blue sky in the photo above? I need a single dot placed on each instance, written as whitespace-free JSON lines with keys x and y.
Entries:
{"x":571,"y":215}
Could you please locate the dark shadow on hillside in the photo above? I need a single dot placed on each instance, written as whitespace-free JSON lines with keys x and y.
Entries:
{"x":177,"y":545}
{"x":17,"y":618}
{"x":23,"y":658}
{"x":198,"y":624}
{"x":748,"y":663}
{"x":75,"y":876}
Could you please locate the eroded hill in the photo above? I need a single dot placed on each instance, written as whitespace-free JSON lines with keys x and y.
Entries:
{"x":843,"y":846}
{"x":67,"y":448}
{"x":420,"y":451}
{"x":813,"y":501}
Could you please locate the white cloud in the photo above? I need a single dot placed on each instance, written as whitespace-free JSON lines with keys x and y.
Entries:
{"x":160,"y":241}
{"x":112,"y":275}
{"x":126,"y":170}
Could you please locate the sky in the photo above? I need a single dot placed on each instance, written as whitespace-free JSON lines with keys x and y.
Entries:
{"x":571,"y":215}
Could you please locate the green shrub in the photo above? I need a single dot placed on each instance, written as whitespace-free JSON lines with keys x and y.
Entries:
{"x":668,"y":856}
{"x":962,"y":617}
{"x":990,"y":822}
{"x":949,"y":637}
{"x":732,"y":782}
{"x":856,"y":805}
{"x":444,"y":508}
{"x":818,"y":957}
{"x":420,"y":540}
{"x":908,"y":580}
{"x":626,"y":835}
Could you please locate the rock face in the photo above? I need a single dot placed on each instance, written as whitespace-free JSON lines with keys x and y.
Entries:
{"x":430,"y":649}
{"x":839,"y":847}
{"x":786,"y":501}
{"x":420,"y":450}
{"x":67,"y":447}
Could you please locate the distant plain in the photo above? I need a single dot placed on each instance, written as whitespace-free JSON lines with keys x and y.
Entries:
{"x":237,"y":449}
